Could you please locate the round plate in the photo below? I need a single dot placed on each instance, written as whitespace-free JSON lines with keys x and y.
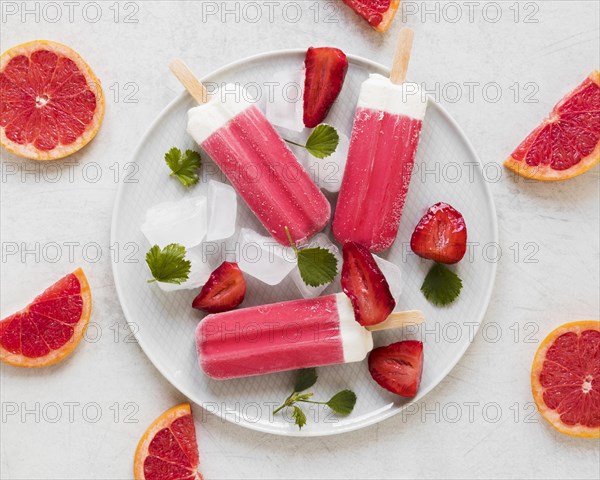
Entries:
{"x":447,"y":169}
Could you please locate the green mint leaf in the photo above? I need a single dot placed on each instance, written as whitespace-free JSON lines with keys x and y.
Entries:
{"x":343,"y":402}
{"x":306,"y":378}
{"x":318,"y":266}
{"x":169,"y":264}
{"x":299,"y":416}
{"x":441,"y":285}
{"x":323,"y":141}
{"x":184,"y":166}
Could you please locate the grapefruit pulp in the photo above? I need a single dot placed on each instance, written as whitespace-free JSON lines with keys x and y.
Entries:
{"x":379,"y":13}
{"x":565,"y":379}
{"x":50,"y":327}
{"x":168,"y":449}
{"x":51,"y":103}
{"x":567,"y":143}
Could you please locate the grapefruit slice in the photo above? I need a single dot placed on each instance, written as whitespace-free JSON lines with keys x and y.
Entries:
{"x":567,"y":143}
{"x":51,"y":103}
{"x":50,"y":327}
{"x":565,"y":379}
{"x":379,"y":13}
{"x":168,"y":449}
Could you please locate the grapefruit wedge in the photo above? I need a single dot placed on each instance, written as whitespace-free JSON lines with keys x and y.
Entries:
{"x":50,"y":327}
{"x":168,"y":449}
{"x":567,"y":143}
{"x":379,"y":13}
{"x":51,"y":103}
{"x":565,"y":379}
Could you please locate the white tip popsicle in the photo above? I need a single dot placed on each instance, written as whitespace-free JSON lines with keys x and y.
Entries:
{"x":287,"y":336}
{"x":385,"y":136}
{"x":257,"y":162}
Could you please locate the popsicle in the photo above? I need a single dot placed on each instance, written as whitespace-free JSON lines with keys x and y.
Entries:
{"x":257,"y":162}
{"x":385,"y":136}
{"x":287,"y":336}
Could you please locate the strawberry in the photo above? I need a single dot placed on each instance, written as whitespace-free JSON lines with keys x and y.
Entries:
{"x":325,"y":72}
{"x":398,"y":367}
{"x":224,"y":290}
{"x":365,"y":285}
{"x":441,"y":235}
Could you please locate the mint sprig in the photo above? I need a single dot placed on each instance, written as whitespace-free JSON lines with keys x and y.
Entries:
{"x":441,"y":285}
{"x":318,"y":266}
{"x":184,"y":166}
{"x":341,"y":403}
{"x":169,"y":264}
{"x":322,"y":142}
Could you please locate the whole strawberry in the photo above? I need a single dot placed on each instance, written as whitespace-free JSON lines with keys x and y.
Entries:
{"x":441,"y":235}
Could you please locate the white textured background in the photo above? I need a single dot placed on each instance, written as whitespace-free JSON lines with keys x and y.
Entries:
{"x":82,"y":418}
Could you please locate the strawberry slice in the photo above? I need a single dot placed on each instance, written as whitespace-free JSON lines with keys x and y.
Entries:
{"x":224,"y":290}
{"x":398,"y":367}
{"x":325,"y":73}
{"x":379,"y":13}
{"x":441,"y":235}
{"x":365,"y":285}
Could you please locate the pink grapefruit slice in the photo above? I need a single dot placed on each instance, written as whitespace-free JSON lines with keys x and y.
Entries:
{"x":379,"y":13}
{"x":565,"y":379}
{"x":50,"y":327}
{"x":168,"y":449}
{"x":51,"y":103}
{"x":567,"y":143}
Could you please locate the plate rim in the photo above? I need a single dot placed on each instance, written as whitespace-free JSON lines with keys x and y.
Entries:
{"x":391,"y":409}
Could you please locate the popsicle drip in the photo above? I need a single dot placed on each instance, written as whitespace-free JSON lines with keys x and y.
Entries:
{"x":377,"y":176}
{"x":270,"y":180}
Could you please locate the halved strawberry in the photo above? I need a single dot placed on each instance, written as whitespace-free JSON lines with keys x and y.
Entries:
{"x":325,"y":73}
{"x":224,"y":290}
{"x":365,"y":285}
{"x":398,"y":367}
{"x":441,"y":235}
{"x":379,"y":13}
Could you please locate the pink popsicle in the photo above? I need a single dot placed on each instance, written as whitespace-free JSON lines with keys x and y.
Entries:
{"x":261,"y":167}
{"x":385,"y":137}
{"x":266,"y":174}
{"x":377,"y":177}
{"x":282,"y":336}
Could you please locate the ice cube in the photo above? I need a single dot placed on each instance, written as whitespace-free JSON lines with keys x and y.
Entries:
{"x":285,"y":106}
{"x":199,"y":273}
{"x":264,"y":258}
{"x":392,"y":274}
{"x":222,"y":206}
{"x":183,"y":222}
{"x":320,"y":240}
{"x":327,"y":172}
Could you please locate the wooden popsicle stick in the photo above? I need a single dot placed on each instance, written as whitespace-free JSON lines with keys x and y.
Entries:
{"x":189,"y":81}
{"x":399,"y":320}
{"x":402,"y":56}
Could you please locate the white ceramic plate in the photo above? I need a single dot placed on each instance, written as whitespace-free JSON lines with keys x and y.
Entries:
{"x":447,"y":170}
